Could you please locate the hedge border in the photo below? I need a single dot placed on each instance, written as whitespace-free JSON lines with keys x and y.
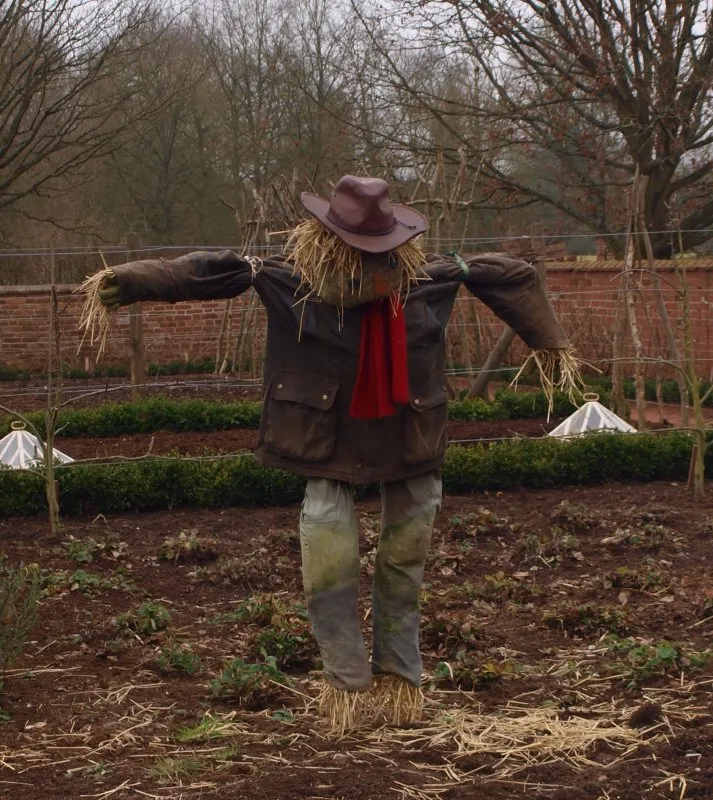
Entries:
{"x":161,"y":484}
{"x":182,"y":416}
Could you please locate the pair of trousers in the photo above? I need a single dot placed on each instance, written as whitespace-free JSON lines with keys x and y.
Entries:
{"x":329,"y":540}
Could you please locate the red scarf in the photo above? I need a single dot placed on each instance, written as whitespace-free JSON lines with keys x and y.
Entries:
{"x":382,"y":378}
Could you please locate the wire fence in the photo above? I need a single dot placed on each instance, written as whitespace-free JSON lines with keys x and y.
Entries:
{"x":586,"y":302}
{"x":23,"y":266}
{"x":557,"y":235}
{"x":70,"y":393}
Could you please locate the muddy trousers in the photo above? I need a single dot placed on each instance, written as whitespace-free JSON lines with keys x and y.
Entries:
{"x":331,"y":567}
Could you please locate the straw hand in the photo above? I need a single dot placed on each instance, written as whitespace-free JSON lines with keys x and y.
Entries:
{"x":110,"y":293}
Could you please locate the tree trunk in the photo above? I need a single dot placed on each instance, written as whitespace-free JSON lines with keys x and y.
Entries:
{"x":618,"y":398}
{"x":54,"y":398}
{"x":672,"y":345}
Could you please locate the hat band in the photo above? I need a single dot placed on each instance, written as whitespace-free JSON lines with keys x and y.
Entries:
{"x":334,"y":219}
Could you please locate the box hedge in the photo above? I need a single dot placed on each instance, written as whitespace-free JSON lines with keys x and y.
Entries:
{"x":164,"y":483}
{"x":181,"y":416}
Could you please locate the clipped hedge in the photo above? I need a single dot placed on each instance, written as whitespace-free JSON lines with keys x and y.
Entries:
{"x":546,"y":462}
{"x":670,"y":392}
{"x":161,"y":483}
{"x":149,"y":416}
{"x":182,"y":416}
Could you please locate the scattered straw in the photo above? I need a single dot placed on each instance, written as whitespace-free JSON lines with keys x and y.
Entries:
{"x":519,"y":739}
{"x":95,"y":320}
{"x":343,"y":710}
{"x":547,"y":362}
{"x":396,"y":700}
{"x":327,"y":266}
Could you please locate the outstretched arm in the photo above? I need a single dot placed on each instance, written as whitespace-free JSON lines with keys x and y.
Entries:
{"x":513,"y":290}
{"x":196,"y":276}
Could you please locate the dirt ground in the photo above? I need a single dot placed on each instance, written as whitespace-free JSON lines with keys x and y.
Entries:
{"x":239,"y":439}
{"x":566,"y":638}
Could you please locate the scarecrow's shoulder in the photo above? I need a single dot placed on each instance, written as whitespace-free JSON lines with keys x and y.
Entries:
{"x":442,"y":269}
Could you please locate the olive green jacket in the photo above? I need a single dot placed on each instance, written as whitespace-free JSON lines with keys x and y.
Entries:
{"x":312,"y":356}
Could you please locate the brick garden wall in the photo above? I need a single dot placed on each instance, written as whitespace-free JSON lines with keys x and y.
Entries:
{"x":585,"y":295}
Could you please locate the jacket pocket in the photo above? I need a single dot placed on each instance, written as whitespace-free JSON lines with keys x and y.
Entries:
{"x":425,"y":420}
{"x":301,"y":422}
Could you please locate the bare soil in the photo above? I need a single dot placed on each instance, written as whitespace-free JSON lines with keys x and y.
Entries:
{"x":595,"y":603}
{"x":241,"y":439}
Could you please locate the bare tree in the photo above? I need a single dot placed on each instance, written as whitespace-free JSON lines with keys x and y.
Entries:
{"x":247,"y":46}
{"x":587,"y":91}
{"x":157,"y":181}
{"x":63,"y":93}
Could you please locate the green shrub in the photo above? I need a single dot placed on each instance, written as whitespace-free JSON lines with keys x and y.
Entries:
{"x":180,"y":416}
{"x":539,"y":463}
{"x":251,"y":685}
{"x":288,"y":640}
{"x":8,"y":373}
{"x":20,"y":589}
{"x":148,"y":618}
{"x":162,"y":483}
{"x":87,"y":583}
{"x":175,"y":658}
{"x":149,"y":416}
{"x":200,"y":366}
{"x":187,"y":548}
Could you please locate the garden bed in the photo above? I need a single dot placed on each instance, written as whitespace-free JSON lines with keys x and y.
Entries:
{"x":584,"y":611}
{"x":237,"y":439}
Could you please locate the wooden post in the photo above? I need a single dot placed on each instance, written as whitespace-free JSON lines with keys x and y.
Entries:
{"x":692,"y":469}
{"x":54,"y":399}
{"x":492,"y":362}
{"x":136,"y":329}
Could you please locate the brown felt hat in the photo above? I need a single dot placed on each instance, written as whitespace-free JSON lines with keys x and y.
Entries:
{"x":361,"y":213}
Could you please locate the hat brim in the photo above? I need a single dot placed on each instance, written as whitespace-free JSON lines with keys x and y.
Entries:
{"x":409,"y":224}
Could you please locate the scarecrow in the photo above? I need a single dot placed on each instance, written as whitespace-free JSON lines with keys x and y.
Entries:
{"x":355,"y":393}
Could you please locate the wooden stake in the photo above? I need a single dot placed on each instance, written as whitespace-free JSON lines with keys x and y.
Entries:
{"x":692,"y":469}
{"x":136,"y":330}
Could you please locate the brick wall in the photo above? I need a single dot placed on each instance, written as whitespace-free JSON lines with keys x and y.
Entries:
{"x":584,"y":294}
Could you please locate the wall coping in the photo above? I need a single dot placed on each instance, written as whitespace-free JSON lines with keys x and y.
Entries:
{"x":601,"y":265}
{"x":42,"y":289}
{"x":616,"y":265}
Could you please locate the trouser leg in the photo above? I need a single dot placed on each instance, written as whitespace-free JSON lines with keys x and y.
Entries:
{"x":330,"y":569}
{"x":409,"y":510}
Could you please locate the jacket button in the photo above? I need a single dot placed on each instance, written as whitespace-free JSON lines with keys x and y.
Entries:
{"x":279,"y":386}
{"x":325,"y":397}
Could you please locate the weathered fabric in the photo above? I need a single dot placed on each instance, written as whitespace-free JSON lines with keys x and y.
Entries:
{"x":330,"y":567}
{"x":312,"y":354}
{"x":409,"y":509}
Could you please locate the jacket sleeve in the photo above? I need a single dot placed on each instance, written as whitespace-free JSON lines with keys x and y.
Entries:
{"x":201,"y":275}
{"x":513,"y":290}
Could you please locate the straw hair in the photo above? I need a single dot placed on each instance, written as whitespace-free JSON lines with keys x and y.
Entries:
{"x":396,"y":700}
{"x":327,"y":265}
{"x":95,"y":320}
{"x":342,"y":710}
{"x":547,"y":362}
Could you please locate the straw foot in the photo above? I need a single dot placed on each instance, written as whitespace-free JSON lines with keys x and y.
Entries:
{"x":395,"y":701}
{"x":342,"y":710}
